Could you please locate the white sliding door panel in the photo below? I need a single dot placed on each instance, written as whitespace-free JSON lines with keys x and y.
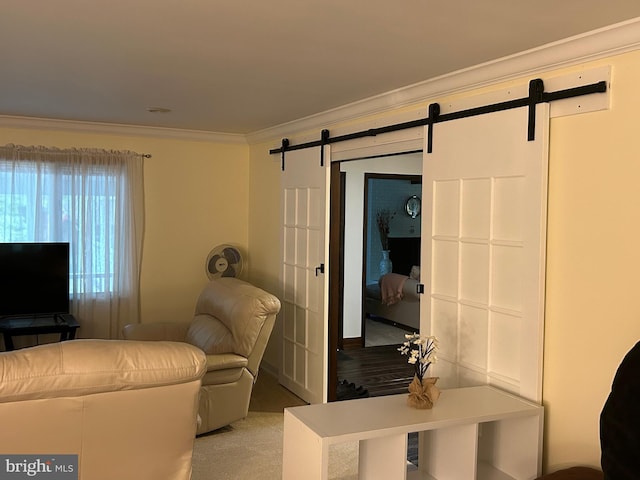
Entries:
{"x":484,"y":246}
{"x":304,"y":362}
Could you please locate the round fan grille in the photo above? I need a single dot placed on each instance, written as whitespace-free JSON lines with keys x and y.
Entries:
{"x":224,"y":261}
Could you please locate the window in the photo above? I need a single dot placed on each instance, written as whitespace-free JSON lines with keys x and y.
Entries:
{"x":91,"y":199}
{"x":44,"y":205}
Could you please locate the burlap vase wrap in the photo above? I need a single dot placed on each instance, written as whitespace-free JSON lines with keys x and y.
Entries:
{"x":423,"y":394}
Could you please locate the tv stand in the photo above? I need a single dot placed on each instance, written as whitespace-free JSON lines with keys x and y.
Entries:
{"x":63,"y":323}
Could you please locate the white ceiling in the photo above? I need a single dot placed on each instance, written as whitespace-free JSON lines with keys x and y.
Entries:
{"x":239,"y":66}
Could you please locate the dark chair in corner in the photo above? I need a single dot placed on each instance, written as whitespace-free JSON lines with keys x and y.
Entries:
{"x":574,"y":473}
{"x":620,"y":422}
{"x":619,"y":428}
{"x":232,"y":323}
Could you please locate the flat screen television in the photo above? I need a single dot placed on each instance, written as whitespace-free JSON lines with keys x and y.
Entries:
{"x":34,"y":279}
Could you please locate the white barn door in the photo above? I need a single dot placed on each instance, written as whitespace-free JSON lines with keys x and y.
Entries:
{"x":484,"y":247}
{"x":304,"y":207}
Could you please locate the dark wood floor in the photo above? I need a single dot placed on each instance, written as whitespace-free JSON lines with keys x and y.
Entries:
{"x":382,"y":370}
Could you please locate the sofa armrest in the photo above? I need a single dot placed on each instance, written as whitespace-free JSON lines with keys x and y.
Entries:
{"x":86,"y":367}
{"x":168,"y":331}
{"x":224,"y":361}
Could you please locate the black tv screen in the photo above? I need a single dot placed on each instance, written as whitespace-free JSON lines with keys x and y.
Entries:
{"x":34,"y":278}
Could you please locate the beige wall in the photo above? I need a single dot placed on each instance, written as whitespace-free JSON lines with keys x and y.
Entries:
{"x":264,"y":234}
{"x":196,"y":197}
{"x":592,"y":316}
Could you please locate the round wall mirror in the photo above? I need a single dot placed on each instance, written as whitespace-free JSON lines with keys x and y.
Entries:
{"x":412,"y":207}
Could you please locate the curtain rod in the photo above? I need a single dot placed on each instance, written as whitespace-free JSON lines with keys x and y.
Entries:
{"x":62,"y":150}
{"x":536,"y":95}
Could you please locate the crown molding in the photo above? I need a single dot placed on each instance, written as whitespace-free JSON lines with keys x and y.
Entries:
{"x":598,"y":44}
{"x":602,"y":43}
{"x":7,"y":121}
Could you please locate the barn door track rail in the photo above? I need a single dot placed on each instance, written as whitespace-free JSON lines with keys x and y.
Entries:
{"x":536,"y":95}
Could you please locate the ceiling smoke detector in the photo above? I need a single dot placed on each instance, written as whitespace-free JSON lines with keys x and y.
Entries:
{"x":158,"y":110}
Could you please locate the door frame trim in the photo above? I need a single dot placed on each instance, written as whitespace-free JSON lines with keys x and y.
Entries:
{"x":336,"y":276}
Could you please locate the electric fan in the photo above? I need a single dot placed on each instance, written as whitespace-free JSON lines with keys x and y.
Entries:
{"x":223,"y":261}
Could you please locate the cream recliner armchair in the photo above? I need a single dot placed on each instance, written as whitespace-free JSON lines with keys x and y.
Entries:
{"x":232,"y":324}
{"x":126,"y":409}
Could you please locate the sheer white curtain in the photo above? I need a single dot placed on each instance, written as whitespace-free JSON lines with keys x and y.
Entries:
{"x":92,"y":199}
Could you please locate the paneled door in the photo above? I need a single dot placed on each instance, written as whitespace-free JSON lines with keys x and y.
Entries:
{"x":484,"y":246}
{"x":304,"y":342}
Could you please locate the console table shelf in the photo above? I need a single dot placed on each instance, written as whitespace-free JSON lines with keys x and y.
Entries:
{"x":476,"y":433}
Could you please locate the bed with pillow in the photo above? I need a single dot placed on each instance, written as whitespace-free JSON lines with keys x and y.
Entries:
{"x":394,"y":297}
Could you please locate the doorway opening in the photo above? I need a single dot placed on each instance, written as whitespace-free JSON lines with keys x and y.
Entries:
{"x":361,"y":326}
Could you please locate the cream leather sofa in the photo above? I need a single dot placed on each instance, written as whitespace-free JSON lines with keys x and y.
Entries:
{"x":232,"y":324}
{"x":127,"y":409}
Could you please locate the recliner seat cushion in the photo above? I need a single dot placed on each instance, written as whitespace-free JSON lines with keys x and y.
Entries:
{"x":224,"y":368}
{"x":218,"y":377}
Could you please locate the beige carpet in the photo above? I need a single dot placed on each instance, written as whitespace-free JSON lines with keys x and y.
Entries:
{"x":252,"y":448}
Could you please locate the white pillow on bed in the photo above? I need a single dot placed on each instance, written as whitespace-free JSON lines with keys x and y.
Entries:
{"x":415,"y":273}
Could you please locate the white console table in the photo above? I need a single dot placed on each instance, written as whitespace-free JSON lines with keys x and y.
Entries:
{"x":471,"y":433}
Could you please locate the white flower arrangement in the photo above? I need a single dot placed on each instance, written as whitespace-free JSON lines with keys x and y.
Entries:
{"x":421,"y":351}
